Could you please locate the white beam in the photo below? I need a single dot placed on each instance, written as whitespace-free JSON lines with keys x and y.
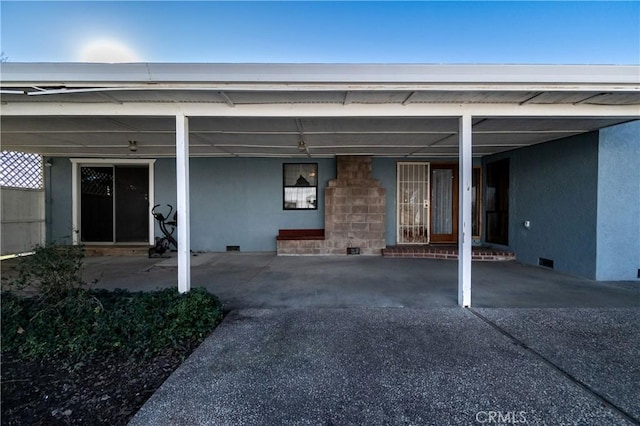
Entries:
{"x":464,"y":217}
{"x":151,"y":200}
{"x":319,"y":110}
{"x":348,"y":97}
{"x":407,"y":100}
{"x":226,"y":98}
{"x":184,"y":225}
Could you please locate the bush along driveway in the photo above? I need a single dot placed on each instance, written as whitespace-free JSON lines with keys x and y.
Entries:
{"x":77,"y":356}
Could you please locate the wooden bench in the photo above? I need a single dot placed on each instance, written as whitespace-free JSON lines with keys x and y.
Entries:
{"x":300,"y":234}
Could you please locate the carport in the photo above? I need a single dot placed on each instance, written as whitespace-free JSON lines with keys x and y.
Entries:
{"x":95,"y":111}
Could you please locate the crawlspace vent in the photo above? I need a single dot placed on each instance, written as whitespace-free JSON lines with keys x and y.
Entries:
{"x":547,"y":263}
{"x":233,"y":248}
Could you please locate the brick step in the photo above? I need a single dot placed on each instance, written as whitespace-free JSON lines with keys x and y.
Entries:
{"x":446,"y":252}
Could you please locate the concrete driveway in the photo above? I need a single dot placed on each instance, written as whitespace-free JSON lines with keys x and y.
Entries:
{"x":388,"y":366}
{"x":364,"y":340}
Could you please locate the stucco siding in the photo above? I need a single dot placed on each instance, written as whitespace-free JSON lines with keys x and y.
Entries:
{"x":238,"y":201}
{"x":384,"y":169}
{"x":581,"y":195}
{"x":554,"y":186}
{"x":618,"y":245}
{"x":234,"y":201}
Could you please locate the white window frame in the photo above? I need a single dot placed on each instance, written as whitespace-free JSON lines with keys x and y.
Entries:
{"x":76,"y":163}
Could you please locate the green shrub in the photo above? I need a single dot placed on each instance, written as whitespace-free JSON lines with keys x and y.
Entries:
{"x":186,"y":315}
{"x":51,"y":271}
{"x":64,"y":319}
{"x":84,"y":323}
{"x":15,"y":318}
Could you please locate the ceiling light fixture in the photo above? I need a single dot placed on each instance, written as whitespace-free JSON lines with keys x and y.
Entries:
{"x":302,"y":147}
{"x":133,"y":146}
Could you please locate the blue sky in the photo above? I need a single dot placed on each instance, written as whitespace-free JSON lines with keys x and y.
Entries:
{"x":595,"y":32}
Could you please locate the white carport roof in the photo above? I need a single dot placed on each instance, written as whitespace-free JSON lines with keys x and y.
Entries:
{"x":261,"y":110}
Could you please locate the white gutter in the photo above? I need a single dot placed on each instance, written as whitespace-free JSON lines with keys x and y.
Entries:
{"x":220,"y":88}
{"x":91,"y":74}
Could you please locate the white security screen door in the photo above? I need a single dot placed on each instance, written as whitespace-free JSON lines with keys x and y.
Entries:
{"x":413,"y":203}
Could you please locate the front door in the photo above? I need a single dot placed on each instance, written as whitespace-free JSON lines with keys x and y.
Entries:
{"x":444,"y":203}
{"x":413,"y":203}
{"x":114,"y":204}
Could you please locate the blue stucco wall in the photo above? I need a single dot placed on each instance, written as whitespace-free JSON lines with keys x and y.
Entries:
{"x":384,"y":169}
{"x":581,"y":194}
{"x":238,"y":201}
{"x":618,"y":245}
{"x":554,"y":186}
{"x":234,"y":201}
{"x":58,"y":200}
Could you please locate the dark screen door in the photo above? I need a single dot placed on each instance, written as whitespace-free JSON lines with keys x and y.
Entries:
{"x":114,"y":204}
{"x":132,"y":203}
{"x":96,"y":204}
{"x":497,"y":214}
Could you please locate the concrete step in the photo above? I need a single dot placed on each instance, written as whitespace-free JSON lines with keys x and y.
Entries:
{"x":117,"y":250}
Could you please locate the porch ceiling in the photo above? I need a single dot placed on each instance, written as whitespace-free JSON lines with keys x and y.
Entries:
{"x":259,"y":137}
{"x":83,"y":134}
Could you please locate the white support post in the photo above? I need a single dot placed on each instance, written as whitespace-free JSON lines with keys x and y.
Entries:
{"x":464,"y":217}
{"x":184,"y":221}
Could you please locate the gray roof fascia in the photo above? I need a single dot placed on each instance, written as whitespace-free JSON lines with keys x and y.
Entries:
{"x":84,"y":74}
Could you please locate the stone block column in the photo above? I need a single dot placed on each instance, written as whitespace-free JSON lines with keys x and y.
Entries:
{"x":355,"y":208}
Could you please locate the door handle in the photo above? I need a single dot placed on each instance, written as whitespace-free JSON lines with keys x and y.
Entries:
{"x":425,"y":204}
